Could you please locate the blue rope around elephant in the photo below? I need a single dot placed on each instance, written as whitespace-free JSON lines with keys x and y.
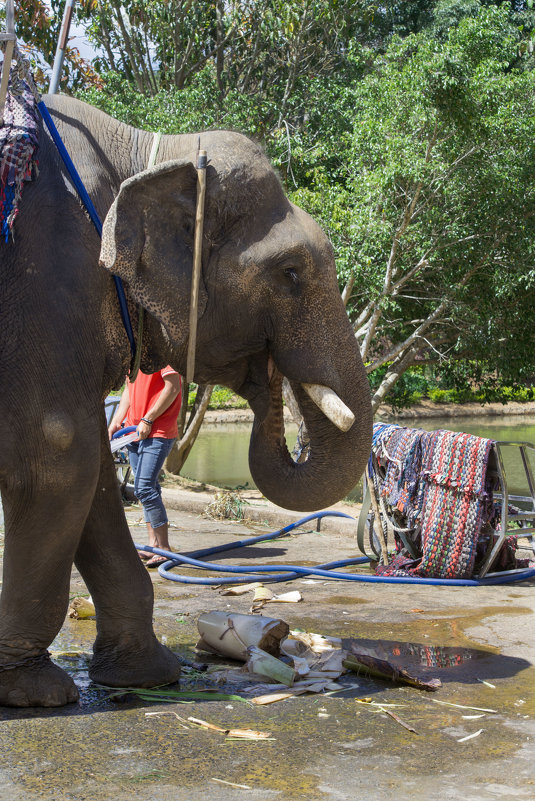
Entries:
{"x":242,"y":575}
{"x":91,"y":210}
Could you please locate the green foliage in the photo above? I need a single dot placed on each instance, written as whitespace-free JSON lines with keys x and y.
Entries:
{"x":222,"y":398}
{"x":498,"y":395}
{"x":406,"y":129}
{"x":436,"y":218}
{"x":463,"y":381}
{"x":413,"y":385}
{"x":267,"y":50}
{"x":37,"y":25}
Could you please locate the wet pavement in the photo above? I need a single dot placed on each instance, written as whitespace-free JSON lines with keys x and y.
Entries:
{"x":478,"y":641}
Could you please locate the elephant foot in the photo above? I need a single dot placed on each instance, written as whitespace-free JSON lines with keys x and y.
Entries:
{"x":39,"y":682}
{"x":148,"y":665}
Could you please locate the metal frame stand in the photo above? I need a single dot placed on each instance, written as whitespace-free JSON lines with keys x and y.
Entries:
{"x":513,"y":523}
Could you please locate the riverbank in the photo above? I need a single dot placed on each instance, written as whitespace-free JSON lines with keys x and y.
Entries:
{"x":426,"y":409}
{"x":219,"y":457}
{"x":195,"y":497}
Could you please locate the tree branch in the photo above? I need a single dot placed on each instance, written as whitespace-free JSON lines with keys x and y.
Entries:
{"x":181,"y":450}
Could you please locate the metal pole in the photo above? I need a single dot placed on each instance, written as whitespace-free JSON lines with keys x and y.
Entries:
{"x":60,"y":50}
{"x":9,"y":38}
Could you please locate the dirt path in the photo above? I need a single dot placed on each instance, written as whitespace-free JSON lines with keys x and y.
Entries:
{"x":480,"y":642}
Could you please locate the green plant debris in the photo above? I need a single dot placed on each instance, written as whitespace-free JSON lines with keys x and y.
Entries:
{"x":161,"y":695}
{"x":227,"y":505}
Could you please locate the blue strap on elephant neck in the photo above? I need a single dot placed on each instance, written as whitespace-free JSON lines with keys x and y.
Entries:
{"x":86,"y":200}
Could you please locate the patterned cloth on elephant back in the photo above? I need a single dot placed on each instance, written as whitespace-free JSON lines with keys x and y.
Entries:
{"x":19,"y":142}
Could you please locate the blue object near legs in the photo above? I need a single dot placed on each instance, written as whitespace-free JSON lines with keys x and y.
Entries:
{"x":271,"y":573}
{"x":146,"y":460}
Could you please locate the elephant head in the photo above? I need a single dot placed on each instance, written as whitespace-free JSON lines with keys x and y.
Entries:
{"x":269,"y":307}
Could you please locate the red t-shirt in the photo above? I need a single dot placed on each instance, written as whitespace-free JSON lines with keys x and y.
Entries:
{"x":142,"y":394}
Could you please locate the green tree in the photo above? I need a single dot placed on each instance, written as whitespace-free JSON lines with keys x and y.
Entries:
{"x":418,"y":163}
{"x":264,"y":49}
{"x":437,"y":224}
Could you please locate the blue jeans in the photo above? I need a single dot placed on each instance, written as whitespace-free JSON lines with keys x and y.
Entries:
{"x":146,"y":460}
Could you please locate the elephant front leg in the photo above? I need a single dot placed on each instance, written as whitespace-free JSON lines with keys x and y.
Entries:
{"x":126,"y":652}
{"x":42,"y":532}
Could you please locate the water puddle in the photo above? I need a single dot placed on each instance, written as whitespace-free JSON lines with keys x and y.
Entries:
{"x":449,"y":663}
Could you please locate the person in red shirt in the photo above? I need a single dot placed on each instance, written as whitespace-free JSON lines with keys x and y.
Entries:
{"x":151,"y":403}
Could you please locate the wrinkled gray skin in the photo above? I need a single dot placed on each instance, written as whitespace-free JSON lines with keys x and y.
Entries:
{"x":269,"y":306}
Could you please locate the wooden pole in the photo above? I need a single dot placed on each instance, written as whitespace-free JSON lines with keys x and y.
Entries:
{"x":9,"y":38}
{"x":197,"y":264}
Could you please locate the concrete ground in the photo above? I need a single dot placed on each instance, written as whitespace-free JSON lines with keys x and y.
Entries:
{"x":478,"y":641}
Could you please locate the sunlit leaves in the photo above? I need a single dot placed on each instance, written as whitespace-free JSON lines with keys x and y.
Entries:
{"x":38,"y":25}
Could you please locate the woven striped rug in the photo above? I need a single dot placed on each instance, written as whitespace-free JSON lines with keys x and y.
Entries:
{"x":438,"y":480}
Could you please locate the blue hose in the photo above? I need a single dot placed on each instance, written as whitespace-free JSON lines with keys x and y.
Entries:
{"x":241,"y":575}
{"x":123,"y":431}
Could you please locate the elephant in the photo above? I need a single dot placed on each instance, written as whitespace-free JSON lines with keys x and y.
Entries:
{"x":269,"y":307}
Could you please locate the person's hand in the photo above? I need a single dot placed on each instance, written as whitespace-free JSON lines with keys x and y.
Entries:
{"x":113,"y":427}
{"x":143,"y":429}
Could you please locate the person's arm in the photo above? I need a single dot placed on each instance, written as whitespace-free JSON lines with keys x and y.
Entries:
{"x":164,"y":399}
{"x":120,"y":412}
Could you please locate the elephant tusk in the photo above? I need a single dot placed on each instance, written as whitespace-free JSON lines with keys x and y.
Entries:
{"x":330,"y":404}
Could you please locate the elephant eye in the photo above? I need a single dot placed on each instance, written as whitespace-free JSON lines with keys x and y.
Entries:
{"x":292,"y":275}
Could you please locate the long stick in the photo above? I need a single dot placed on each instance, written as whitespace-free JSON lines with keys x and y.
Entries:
{"x":197,"y":262}
{"x":9,"y":38}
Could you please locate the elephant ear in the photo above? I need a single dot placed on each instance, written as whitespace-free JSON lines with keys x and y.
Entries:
{"x":147,"y":240}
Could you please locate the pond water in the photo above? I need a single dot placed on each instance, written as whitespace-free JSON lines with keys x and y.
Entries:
{"x":220,"y":454}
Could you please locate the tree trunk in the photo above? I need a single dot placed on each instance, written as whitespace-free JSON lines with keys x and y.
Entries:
{"x":179,"y":454}
{"x":106,"y":41}
{"x":348,"y":289}
{"x":392,"y":377}
{"x":128,"y":47}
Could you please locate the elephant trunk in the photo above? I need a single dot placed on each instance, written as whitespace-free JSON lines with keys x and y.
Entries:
{"x":336,"y":459}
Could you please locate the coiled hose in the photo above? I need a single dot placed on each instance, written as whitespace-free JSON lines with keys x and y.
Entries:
{"x":271,"y":573}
